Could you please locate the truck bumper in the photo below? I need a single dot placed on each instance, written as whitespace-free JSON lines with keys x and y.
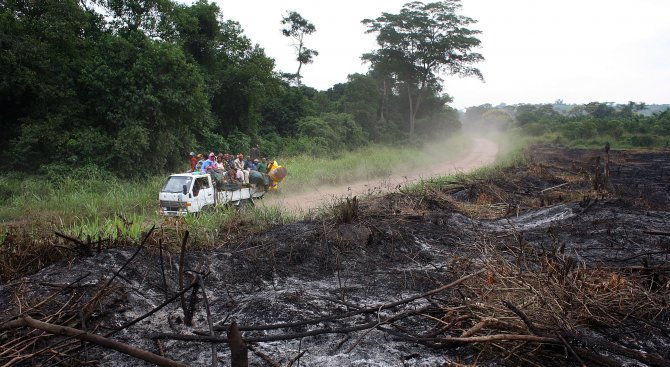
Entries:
{"x":170,"y":213}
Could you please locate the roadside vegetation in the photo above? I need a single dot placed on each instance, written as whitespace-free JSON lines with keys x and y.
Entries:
{"x":89,"y":203}
{"x":128,"y":90}
{"x":101,"y":99}
{"x":622,"y":126}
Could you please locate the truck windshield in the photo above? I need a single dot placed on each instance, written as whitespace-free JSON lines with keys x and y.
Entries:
{"x":175,"y":184}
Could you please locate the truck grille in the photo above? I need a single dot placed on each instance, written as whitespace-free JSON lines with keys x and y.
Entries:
{"x":172,"y":206}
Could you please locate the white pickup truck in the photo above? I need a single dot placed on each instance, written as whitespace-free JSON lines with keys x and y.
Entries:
{"x":195,"y":192}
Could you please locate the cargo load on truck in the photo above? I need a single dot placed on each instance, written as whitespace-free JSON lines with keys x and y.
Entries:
{"x":195,"y":192}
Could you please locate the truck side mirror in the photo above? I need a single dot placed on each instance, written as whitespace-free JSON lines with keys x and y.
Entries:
{"x":184,"y":189}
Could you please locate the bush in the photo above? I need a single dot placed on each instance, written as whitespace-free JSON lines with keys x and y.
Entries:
{"x":534,"y":129}
{"x":239,"y":142}
{"x":618,"y":132}
{"x":642,"y":140}
{"x":271,"y":144}
{"x":8,"y":189}
{"x":58,"y":172}
{"x":330,"y":133}
{"x":579,"y":130}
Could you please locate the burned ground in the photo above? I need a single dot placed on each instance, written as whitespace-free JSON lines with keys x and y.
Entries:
{"x":559,"y":261}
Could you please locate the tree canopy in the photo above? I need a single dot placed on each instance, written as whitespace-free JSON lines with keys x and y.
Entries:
{"x":297,"y":27}
{"x":130,"y":87}
{"x":419,"y":44}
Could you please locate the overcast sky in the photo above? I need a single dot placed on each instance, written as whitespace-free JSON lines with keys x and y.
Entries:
{"x":537,"y":51}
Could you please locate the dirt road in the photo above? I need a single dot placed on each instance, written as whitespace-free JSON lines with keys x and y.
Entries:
{"x":482,"y":152}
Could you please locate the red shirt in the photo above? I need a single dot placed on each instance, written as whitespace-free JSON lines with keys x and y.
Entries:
{"x":193,"y":163}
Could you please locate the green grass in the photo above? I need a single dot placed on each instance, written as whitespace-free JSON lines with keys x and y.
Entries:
{"x":73,"y":200}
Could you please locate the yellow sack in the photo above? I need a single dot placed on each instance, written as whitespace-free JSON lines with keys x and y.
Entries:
{"x":276,"y":174}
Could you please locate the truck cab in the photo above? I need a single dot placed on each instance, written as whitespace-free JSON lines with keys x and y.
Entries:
{"x":187,"y":193}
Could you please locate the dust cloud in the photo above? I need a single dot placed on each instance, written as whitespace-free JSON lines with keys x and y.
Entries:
{"x":443,"y":160}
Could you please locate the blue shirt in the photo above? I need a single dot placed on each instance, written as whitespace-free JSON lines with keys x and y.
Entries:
{"x":206,"y":164}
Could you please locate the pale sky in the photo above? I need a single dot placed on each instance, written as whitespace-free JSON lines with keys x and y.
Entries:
{"x":537,"y":51}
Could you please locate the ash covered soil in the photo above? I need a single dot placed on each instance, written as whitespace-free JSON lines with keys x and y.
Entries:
{"x":560,"y":261}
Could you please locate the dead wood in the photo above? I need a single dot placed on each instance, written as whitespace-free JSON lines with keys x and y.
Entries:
{"x":602,"y":344}
{"x":139,"y":248}
{"x":266,"y":358}
{"x":522,"y":316}
{"x":296,"y":358}
{"x":166,"y":290}
{"x":190,"y":310}
{"x":498,"y":337}
{"x":182,"y":256}
{"x":657,"y":233}
{"x":83,"y":247}
{"x":52,"y":295}
{"x":96,"y":339}
{"x":259,"y":339}
{"x":156,"y":309}
{"x":201,"y":283}
{"x":570,"y":349}
{"x":559,"y":286}
{"x":238,"y":349}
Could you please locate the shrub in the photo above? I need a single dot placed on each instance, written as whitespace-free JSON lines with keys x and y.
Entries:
{"x":239,"y":142}
{"x":534,"y":129}
{"x":579,"y":130}
{"x":642,"y":140}
{"x":330,"y":133}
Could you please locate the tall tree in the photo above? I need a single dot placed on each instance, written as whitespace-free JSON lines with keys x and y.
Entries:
{"x":148,"y":16}
{"x":297,"y":28}
{"x":422,"y":42}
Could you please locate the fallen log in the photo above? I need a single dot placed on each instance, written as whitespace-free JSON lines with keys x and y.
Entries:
{"x":259,"y":339}
{"x":602,"y":344}
{"x":93,"y":338}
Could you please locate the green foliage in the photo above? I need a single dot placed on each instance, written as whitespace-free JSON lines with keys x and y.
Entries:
{"x":359,"y":98}
{"x":642,"y":140}
{"x":527,"y":113}
{"x":297,"y":28}
{"x":130,"y":93}
{"x":285,"y":109}
{"x":441,"y":123}
{"x":535,"y":129}
{"x":67,"y":199}
{"x":419,"y":43}
{"x":332,"y":132}
{"x":662,"y":124}
{"x":595,"y":123}
{"x":239,"y":142}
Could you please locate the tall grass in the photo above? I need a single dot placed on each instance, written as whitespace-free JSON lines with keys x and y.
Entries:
{"x":374,"y":161}
{"x":75,"y":199}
